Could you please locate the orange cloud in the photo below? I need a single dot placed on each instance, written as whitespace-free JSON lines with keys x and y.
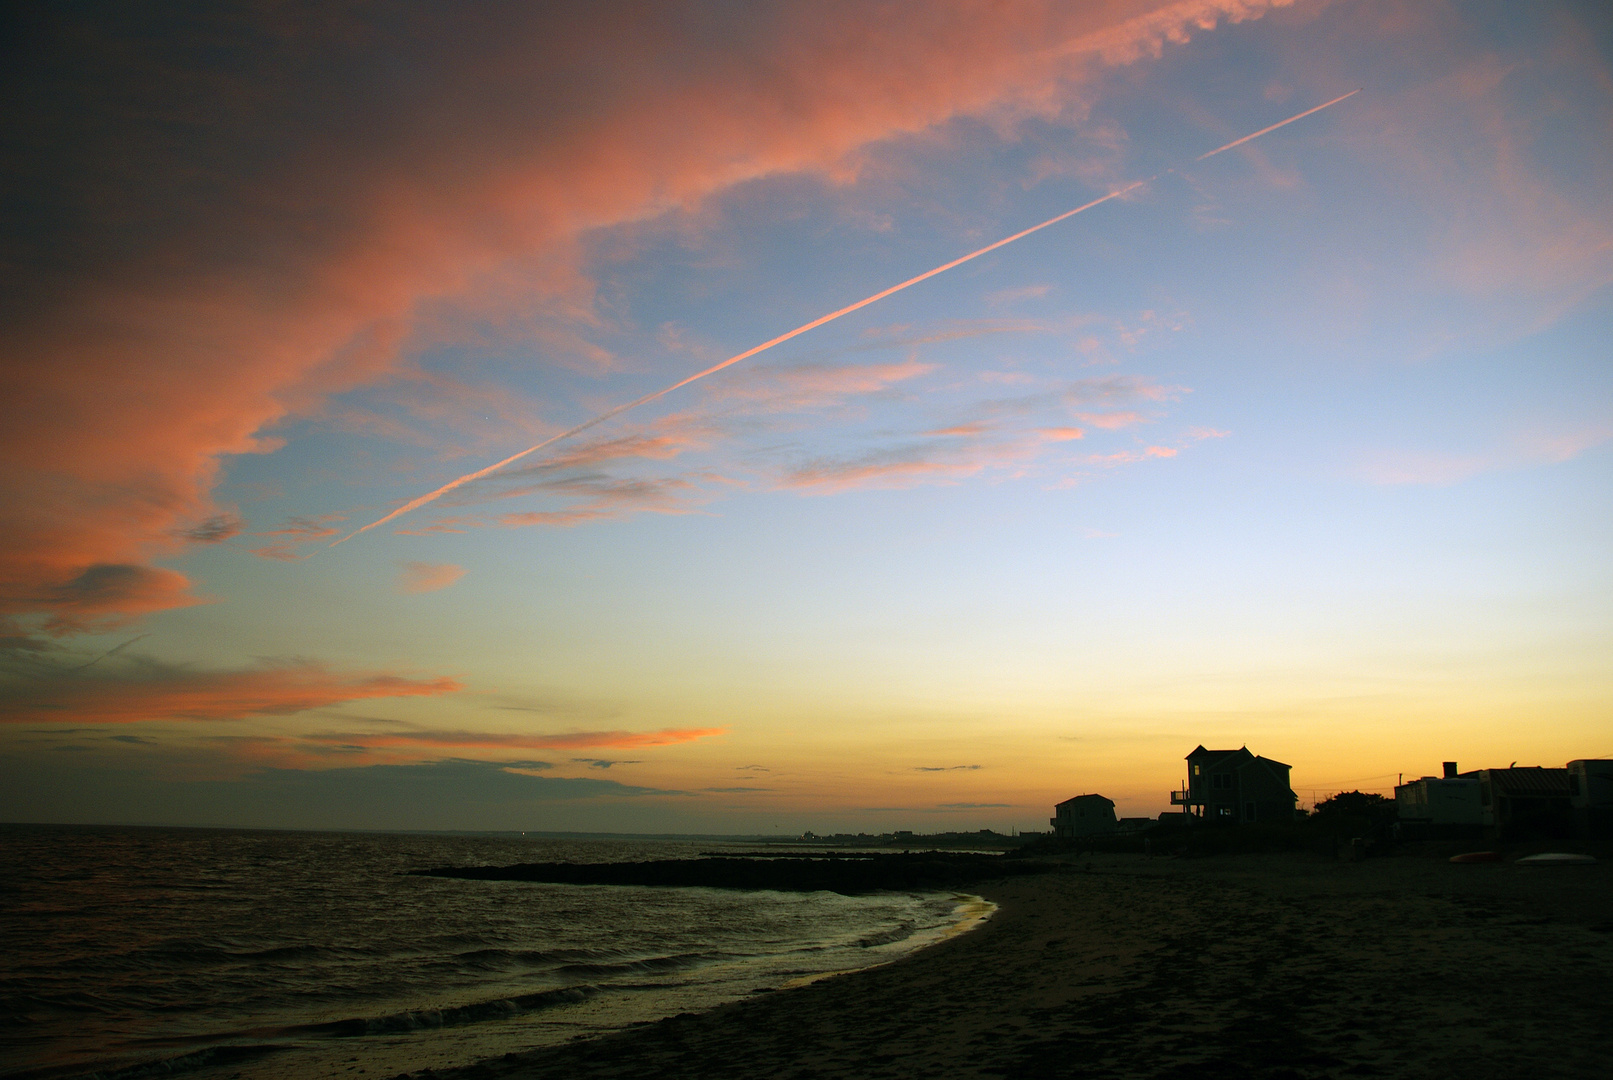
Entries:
{"x":106,"y":595}
{"x":227,"y":235}
{"x":830,"y":477}
{"x":814,"y":386}
{"x":1008,"y":442}
{"x":1025,"y":292}
{"x":422,"y":577}
{"x":1112,"y":421}
{"x":667,"y":438}
{"x":288,"y":540}
{"x":556,"y":519}
{"x":147,"y":690}
{"x":484,"y":740}
{"x":605,"y":498}
{"x":1131,"y":457}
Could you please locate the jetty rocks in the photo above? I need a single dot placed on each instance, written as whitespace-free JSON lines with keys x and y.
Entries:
{"x":894,"y":872}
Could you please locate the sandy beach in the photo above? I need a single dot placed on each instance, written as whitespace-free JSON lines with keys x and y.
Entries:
{"x":1252,"y":966}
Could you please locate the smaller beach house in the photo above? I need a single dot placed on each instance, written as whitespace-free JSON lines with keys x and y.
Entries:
{"x":1084,"y":815}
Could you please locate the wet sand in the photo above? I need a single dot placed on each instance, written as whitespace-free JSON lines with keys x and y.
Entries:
{"x":1252,"y":966}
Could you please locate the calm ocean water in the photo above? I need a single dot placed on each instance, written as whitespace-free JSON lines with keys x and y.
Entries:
{"x":220,"y":953}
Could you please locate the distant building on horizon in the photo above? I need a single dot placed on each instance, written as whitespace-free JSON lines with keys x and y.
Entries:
{"x":1235,"y":787}
{"x":1449,"y":805}
{"x":1590,"y":795}
{"x":1528,"y":800}
{"x":1512,"y":802}
{"x":1084,"y":815}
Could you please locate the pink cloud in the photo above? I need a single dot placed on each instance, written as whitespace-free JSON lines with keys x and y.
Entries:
{"x":962,"y":431}
{"x":223,"y":277}
{"x":483,"y":740}
{"x":815,"y":386}
{"x":104,"y":596}
{"x":555,"y":519}
{"x":1015,"y":295}
{"x":423,"y":577}
{"x":960,"y":452}
{"x":289,"y":540}
{"x":1131,"y":457}
{"x":604,"y":497}
{"x":665,"y":439}
{"x":1118,"y":388}
{"x":1112,"y":421}
{"x":588,"y":475}
{"x":826,"y":478}
{"x":151,"y":691}
{"x":1008,"y":442}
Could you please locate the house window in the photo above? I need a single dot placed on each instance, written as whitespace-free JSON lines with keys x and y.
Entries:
{"x":1221,"y":781}
{"x":1249,"y":811}
{"x":1196,"y":769}
{"x":1225,"y":811}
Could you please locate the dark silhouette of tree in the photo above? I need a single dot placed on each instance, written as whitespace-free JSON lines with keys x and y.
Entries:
{"x":1356,"y":804}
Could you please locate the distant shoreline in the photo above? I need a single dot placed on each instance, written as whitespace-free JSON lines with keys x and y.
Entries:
{"x":1263,"y":966}
{"x":850,"y":874}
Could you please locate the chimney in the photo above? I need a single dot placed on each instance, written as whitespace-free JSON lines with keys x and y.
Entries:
{"x":1450,"y":770}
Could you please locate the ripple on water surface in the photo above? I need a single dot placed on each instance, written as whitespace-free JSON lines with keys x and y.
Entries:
{"x":221,"y":952}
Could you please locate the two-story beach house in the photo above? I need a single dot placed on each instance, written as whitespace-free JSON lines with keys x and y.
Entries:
{"x":1235,"y":787}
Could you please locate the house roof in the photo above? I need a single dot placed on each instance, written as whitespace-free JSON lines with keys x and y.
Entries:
{"x":1078,"y":798}
{"x":1529,"y":782}
{"x":1201,"y":752}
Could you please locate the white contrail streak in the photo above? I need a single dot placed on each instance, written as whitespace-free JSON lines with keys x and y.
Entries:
{"x":1280,"y":123}
{"x":432,"y":496}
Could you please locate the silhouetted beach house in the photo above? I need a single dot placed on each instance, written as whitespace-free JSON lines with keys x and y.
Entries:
{"x":1513,"y":801}
{"x":1084,"y":815}
{"x":1528,"y":800}
{"x":1235,"y":787}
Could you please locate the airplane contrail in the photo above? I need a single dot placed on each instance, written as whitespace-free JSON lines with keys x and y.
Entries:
{"x":114,"y":650}
{"x":432,"y":496}
{"x":1278,"y":124}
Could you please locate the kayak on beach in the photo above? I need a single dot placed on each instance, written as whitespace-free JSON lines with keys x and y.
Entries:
{"x":1557,"y":858}
{"x":1477,"y":857}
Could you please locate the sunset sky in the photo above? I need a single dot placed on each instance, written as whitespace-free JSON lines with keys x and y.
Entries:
{"x":1306,"y":446}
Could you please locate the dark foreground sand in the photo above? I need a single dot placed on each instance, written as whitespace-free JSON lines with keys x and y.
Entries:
{"x":1253,"y":966}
